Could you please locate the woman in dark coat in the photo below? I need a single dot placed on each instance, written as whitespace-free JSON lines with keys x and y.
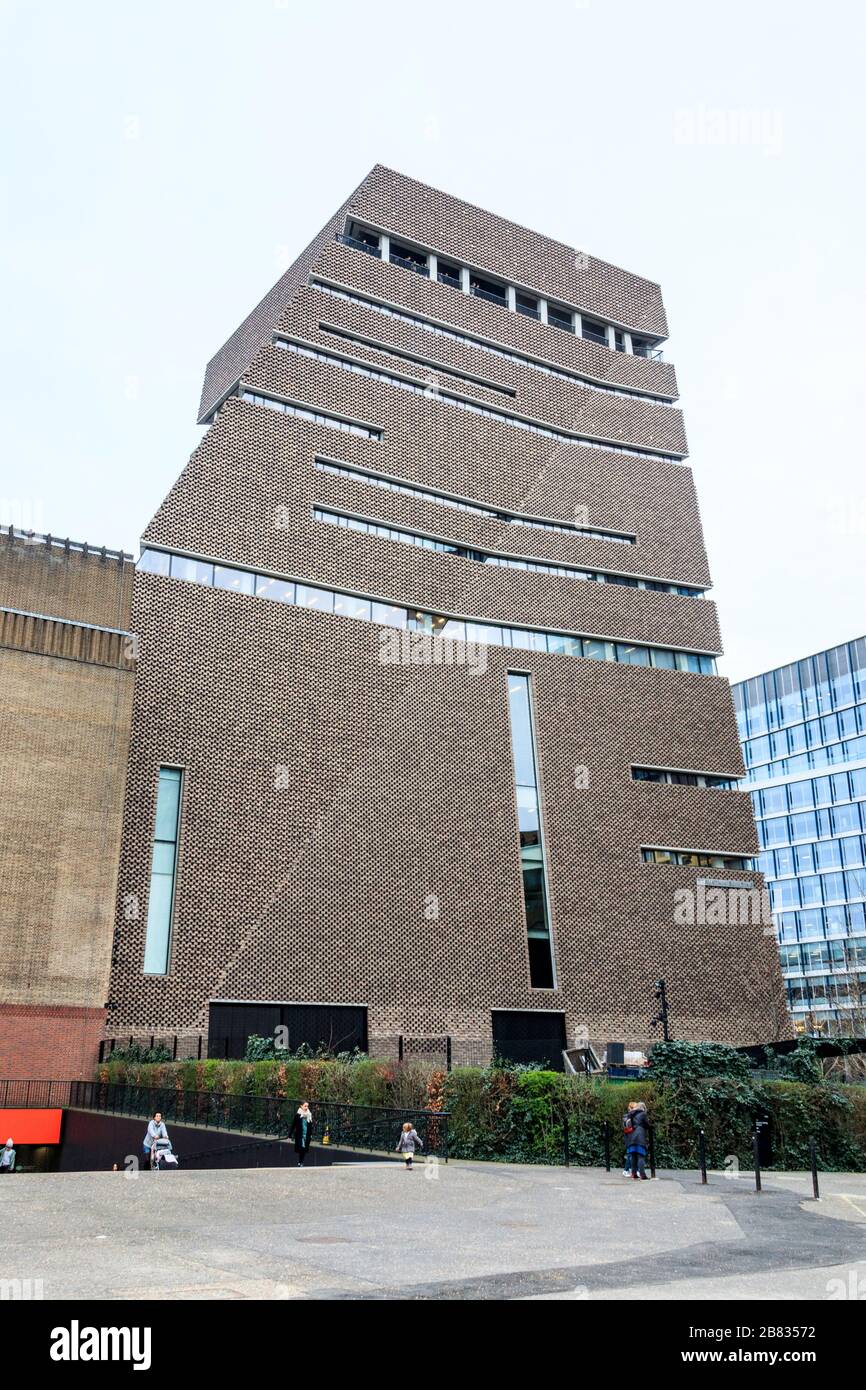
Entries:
{"x":635,"y":1128}
{"x":302,"y":1131}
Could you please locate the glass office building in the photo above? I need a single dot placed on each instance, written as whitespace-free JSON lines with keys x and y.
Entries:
{"x":803,"y":731}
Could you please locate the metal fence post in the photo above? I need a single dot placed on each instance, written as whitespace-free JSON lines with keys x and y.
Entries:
{"x":400,"y":1048}
{"x":652,"y":1149}
{"x":607,"y":1145}
{"x":757,"y":1158}
{"x":813,"y":1154}
{"x":702,"y":1150}
{"x":565,"y":1144}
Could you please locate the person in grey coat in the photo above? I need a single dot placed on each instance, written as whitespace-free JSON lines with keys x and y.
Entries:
{"x":155,"y":1130}
{"x":409,"y":1140}
{"x":7,"y":1157}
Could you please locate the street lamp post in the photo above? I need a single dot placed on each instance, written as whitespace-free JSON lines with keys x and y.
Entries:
{"x":662,"y":1015}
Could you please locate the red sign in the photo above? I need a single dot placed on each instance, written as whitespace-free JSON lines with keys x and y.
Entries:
{"x":30,"y":1126}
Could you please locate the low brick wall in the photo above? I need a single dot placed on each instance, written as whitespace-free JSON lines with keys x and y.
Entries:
{"x":49,"y":1040}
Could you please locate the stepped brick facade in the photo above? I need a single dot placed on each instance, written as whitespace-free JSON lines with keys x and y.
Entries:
{"x":348,"y":833}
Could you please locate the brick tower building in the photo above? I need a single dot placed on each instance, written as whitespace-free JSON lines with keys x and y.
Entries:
{"x":426,"y":729}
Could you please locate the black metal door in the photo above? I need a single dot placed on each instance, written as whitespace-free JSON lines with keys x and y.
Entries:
{"x":333,"y":1027}
{"x":524,"y":1036}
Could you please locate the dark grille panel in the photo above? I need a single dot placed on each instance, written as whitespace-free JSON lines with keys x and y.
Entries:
{"x":523,"y":1036}
{"x":314,"y":1025}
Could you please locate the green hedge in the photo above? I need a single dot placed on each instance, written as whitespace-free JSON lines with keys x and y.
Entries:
{"x":518,"y":1116}
{"x":358,"y":1082}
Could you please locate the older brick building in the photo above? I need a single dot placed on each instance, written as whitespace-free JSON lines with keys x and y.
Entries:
{"x":426,"y":728}
{"x":65,"y":705}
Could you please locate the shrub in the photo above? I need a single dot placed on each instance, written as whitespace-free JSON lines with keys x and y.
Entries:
{"x":135,"y":1053}
{"x":264,"y":1049}
{"x":685,"y":1061}
{"x":803,"y":1064}
{"x":516,"y":1114}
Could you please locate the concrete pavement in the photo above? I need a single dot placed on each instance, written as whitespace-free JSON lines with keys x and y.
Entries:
{"x":461,"y":1231}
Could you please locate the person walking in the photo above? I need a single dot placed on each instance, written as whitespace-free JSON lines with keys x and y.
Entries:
{"x":7,"y":1157}
{"x":635,"y":1128}
{"x":302,"y":1131}
{"x":155,"y":1130}
{"x":409,"y":1140}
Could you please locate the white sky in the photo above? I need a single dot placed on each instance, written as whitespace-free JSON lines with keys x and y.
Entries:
{"x":164,"y":162}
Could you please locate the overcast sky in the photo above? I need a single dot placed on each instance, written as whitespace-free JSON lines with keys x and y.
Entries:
{"x":164,"y":162}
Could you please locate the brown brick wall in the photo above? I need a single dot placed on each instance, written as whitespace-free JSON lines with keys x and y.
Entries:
{"x":565,"y":404}
{"x":63,"y":746}
{"x":41,"y":578}
{"x":458,"y":229}
{"x":48,"y":1043}
{"x":344,"y":267}
{"x":400,"y":785}
{"x":253,"y":461}
{"x":96,"y":646}
{"x":65,"y":706}
{"x":237,"y":352}
{"x":486,"y":241}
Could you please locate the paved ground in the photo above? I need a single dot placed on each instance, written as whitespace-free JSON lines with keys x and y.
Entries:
{"x":469,"y":1231}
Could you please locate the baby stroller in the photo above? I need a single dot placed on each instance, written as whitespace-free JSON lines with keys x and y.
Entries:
{"x":162,"y":1155}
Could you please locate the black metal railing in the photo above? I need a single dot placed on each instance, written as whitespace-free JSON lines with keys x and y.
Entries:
{"x":439,"y":1051}
{"x":408,"y":264}
{"x":442,"y":1052}
{"x":345,"y":1126}
{"x":180,"y":1047}
{"x":34,"y":1095}
{"x":448,"y":1051}
{"x":102,"y":552}
{"x":583,"y":1141}
{"x":489,"y":296}
{"x":358,"y":244}
{"x":652,"y":354}
{"x":446,"y":278}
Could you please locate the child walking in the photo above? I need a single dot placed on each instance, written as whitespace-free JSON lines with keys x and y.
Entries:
{"x":407,"y":1143}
